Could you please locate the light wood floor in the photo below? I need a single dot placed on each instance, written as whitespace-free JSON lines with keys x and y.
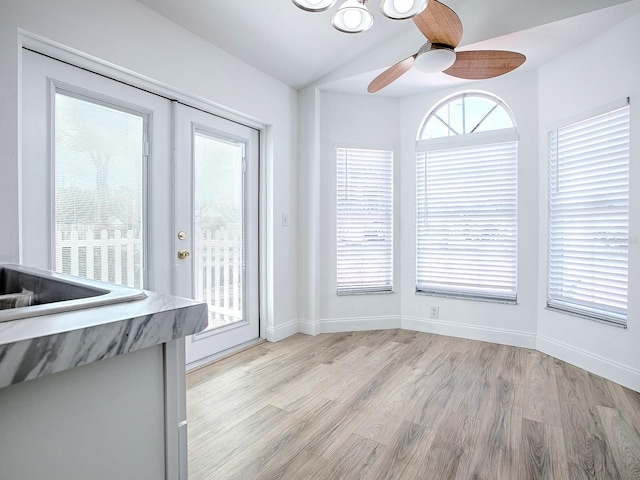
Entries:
{"x":396,"y":404}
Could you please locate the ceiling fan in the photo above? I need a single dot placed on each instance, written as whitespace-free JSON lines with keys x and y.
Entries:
{"x":443,"y":29}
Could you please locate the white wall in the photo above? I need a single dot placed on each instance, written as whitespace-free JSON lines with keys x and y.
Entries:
{"x":308,"y":208}
{"x":599,"y":72}
{"x":130,"y":35}
{"x":502,"y":323}
{"x":363,"y":122}
{"x":327,"y":120}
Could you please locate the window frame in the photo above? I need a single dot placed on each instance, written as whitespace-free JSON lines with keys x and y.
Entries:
{"x":56,"y":88}
{"x":452,"y":98}
{"x":364,"y":288}
{"x":454,"y":142}
{"x":553,"y":302}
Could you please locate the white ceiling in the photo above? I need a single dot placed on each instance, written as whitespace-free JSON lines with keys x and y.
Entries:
{"x":301,"y":48}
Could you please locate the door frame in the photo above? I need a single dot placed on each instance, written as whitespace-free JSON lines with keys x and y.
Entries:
{"x":174,"y":352}
{"x":187,"y":122}
{"x":266,"y":222}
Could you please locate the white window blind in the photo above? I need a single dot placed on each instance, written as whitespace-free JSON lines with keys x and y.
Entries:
{"x":364,"y":220}
{"x":589,"y":217}
{"x":467,"y":221}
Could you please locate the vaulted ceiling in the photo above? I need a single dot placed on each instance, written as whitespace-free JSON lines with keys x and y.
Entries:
{"x":301,"y":48}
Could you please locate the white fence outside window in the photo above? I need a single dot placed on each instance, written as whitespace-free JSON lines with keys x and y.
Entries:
{"x":107,"y":255}
{"x":218,"y":274}
{"x":114,"y":256}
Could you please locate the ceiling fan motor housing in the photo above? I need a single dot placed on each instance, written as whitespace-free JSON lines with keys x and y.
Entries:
{"x":434,"y":57}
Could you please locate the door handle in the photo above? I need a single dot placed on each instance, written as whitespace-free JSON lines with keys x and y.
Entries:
{"x":182,"y":254}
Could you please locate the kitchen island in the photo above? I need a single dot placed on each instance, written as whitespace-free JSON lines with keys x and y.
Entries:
{"x":97,"y":393}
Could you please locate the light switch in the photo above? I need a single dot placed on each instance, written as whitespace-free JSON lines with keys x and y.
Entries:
{"x":285,"y":219}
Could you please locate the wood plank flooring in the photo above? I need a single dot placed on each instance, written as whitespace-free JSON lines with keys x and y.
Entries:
{"x":396,"y":404}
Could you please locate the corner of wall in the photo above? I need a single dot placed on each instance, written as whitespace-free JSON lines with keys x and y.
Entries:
{"x":599,"y":365}
{"x":280,"y":332}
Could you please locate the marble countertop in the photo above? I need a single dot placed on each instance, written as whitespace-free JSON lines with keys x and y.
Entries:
{"x":39,"y":346}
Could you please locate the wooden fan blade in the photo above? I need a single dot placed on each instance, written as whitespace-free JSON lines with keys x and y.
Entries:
{"x":391,"y":74}
{"x":482,"y":64}
{"x":440,"y":24}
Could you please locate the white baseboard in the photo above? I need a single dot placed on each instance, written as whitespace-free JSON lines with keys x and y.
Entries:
{"x":308,"y":327}
{"x":609,"y":369}
{"x":357,"y":324}
{"x":349,"y":324}
{"x":275,"y":334}
{"x":473,"y":332}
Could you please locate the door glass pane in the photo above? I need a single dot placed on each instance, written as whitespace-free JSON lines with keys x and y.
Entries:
{"x":218,"y":227}
{"x":98,"y":189}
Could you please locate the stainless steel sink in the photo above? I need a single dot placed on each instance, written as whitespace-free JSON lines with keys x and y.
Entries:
{"x":29,"y":292}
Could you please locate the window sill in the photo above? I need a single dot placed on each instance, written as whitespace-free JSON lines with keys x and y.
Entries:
{"x":585,"y":316}
{"x":466,"y":297}
{"x":348,"y":294}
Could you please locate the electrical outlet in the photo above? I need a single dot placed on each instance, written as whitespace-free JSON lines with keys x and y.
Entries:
{"x":285,"y":219}
{"x":435,"y":312}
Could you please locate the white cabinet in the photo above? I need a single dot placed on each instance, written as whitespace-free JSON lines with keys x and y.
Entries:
{"x":101,"y":421}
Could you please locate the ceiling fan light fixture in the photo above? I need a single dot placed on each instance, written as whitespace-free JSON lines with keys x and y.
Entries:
{"x":434,"y":58}
{"x":352,"y":17}
{"x":314,"y":5}
{"x":402,"y":9}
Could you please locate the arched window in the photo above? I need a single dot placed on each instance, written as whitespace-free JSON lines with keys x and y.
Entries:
{"x":466,"y":193}
{"x":465,"y":114}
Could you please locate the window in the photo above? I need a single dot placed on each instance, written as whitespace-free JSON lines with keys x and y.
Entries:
{"x":466,"y":114}
{"x":466,"y":194}
{"x":589,"y":216}
{"x":364,"y":223}
{"x":99,"y":190}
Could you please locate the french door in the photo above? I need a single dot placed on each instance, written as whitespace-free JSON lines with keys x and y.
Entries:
{"x":216,"y":212}
{"x":125,"y":186}
{"x":96,"y":169}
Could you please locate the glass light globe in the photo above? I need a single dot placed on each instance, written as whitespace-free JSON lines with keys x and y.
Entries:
{"x":352,"y":17}
{"x":402,"y":9}
{"x":314,"y":5}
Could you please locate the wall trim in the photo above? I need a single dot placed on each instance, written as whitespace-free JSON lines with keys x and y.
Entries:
{"x":356,"y":324}
{"x":308,"y":327}
{"x":604,"y":367}
{"x":275,"y":334}
{"x":348,"y":324}
{"x":502,"y":336}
